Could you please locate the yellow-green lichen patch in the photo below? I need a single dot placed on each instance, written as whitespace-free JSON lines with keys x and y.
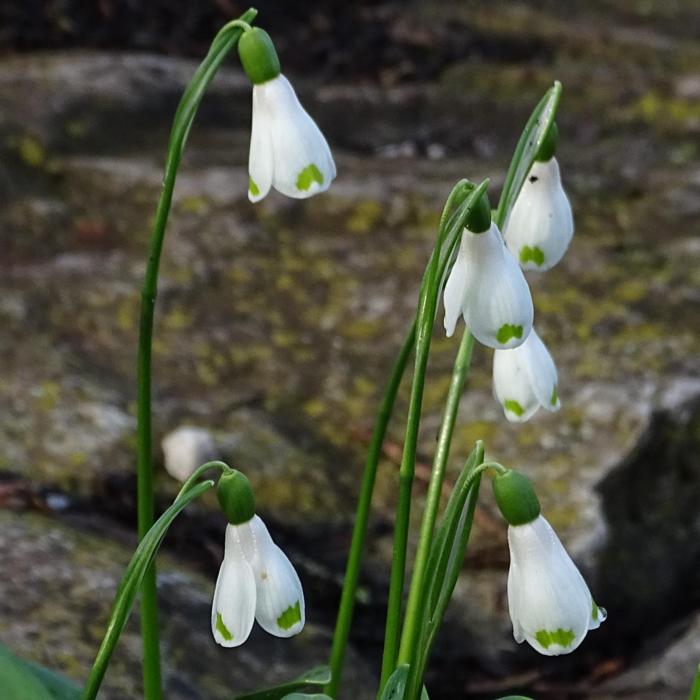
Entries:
{"x":514,"y":407}
{"x":560,"y":637}
{"x":290,"y":617}
{"x":308,"y":176}
{"x":507,"y":332}
{"x":222,"y":629}
{"x":533,"y":254}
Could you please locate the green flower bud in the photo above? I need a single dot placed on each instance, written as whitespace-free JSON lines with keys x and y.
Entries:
{"x":516,"y":498}
{"x":548,"y":147}
{"x":258,"y":56}
{"x":236,"y":497}
{"x":479,"y":218}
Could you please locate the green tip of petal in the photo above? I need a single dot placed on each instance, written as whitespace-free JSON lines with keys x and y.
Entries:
{"x":554,"y":398}
{"x":308,"y":176}
{"x":290,"y":617}
{"x":532,"y":254}
{"x":253,"y":188}
{"x":561,"y":637}
{"x":514,"y":407}
{"x":222,"y":629}
{"x":508,"y":331}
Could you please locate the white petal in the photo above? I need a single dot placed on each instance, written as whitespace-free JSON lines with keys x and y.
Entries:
{"x":455,"y":288}
{"x":542,"y":371}
{"x":302,"y":161}
{"x":540,"y":226}
{"x":512,"y":386}
{"x":498,"y":306}
{"x":550,"y":604}
{"x":280,"y":606}
{"x":233,"y":608}
{"x":260,"y":158}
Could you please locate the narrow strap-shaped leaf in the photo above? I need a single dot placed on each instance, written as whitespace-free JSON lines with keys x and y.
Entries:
{"x":524,"y":156}
{"x":395,"y":688}
{"x":319,"y":676}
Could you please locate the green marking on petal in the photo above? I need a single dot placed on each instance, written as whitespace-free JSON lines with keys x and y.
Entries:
{"x":290,"y":616}
{"x":514,"y":407}
{"x":222,"y":629}
{"x":533,"y":254}
{"x":508,"y":331}
{"x":561,"y":637}
{"x":595,"y":613}
{"x":253,"y":187}
{"x":308,"y":176}
{"x":553,"y":401}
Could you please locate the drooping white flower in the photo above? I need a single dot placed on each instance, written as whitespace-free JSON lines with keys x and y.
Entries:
{"x":524,"y":379}
{"x":540,"y":225}
{"x":287,"y":149}
{"x":256,"y":581}
{"x":487,"y":287}
{"x":549,"y":602}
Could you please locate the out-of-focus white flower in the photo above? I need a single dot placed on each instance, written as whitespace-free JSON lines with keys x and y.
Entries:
{"x":185,"y":448}
{"x":256,"y":581}
{"x":487,"y":287}
{"x":524,"y":379}
{"x":549,"y":602}
{"x":540,"y":225}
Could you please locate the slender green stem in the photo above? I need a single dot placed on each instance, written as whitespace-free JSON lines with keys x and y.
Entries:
{"x":695,"y":690}
{"x":223,"y":43}
{"x":129,"y":585}
{"x":352,"y":572}
{"x":426,"y":317}
{"x":194,"y":477}
{"x":416,"y":596}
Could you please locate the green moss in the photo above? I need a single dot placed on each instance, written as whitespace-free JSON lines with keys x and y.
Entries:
{"x":533,"y":254}
{"x":290,"y":617}
{"x":31,"y":151}
{"x":561,"y":637}
{"x":308,"y":176}
{"x":508,"y":331}
{"x":514,"y":407}
{"x":222,"y":629}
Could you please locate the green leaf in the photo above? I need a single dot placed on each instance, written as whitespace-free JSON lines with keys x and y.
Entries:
{"x":319,"y":676}
{"x":530,"y":141}
{"x":131,"y":582}
{"x":29,"y":681}
{"x":395,"y":687}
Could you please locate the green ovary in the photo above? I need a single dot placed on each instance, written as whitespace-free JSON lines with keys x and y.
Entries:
{"x":253,"y":187}
{"x":533,"y":254}
{"x":290,"y":616}
{"x":222,"y":629}
{"x":508,"y":331}
{"x":561,"y":637}
{"x":514,"y":407}
{"x":308,"y":176}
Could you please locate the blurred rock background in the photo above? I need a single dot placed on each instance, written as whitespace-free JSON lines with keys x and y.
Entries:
{"x":277,"y":324}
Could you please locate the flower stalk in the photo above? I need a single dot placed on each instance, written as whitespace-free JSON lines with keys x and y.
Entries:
{"x":225,"y":40}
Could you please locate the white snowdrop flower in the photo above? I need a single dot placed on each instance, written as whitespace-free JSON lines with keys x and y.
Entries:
{"x":256,"y":579}
{"x":185,"y":448}
{"x":488,"y":289}
{"x":525,"y":379}
{"x":287,"y":149}
{"x":540,"y":225}
{"x":549,"y":602}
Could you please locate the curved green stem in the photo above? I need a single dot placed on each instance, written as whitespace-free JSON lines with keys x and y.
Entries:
{"x":426,"y":317}
{"x":352,"y":572}
{"x":416,"y":596}
{"x":129,"y":585}
{"x":695,"y":690}
{"x":194,"y":477}
{"x":184,"y":116}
